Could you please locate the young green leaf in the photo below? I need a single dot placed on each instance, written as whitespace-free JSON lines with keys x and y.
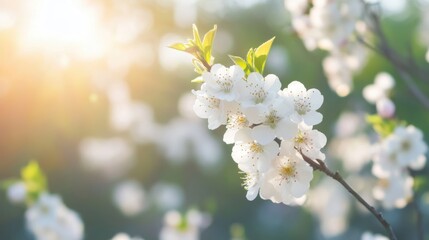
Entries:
{"x":242,"y":63}
{"x":197,"y":39}
{"x":198,"y":79}
{"x":34,"y":179}
{"x":261,"y":55}
{"x":178,"y":46}
{"x":251,"y":58}
{"x":208,"y":44}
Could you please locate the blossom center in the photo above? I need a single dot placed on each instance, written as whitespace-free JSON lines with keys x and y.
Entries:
{"x":406,"y":145}
{"x":302,"y":106}
{"x":287,"y":172}
{"x":272,"y":119}
{"x":256,"y":148}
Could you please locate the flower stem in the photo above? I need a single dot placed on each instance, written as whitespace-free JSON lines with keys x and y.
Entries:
{"x":321,"y":166}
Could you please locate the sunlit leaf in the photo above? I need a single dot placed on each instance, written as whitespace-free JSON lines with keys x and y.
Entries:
{"x":208,"y":44}
{"x":197,"y":39}
{"x":251,"y":57}
{"x":261,"y":55}
{"x":242,"y":63}
{"x":34,"y":179}
{"x":198,"y":79}
{"x":178,"y":46}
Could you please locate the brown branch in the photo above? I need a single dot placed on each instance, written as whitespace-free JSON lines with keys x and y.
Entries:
{"x":319,"y":165}
{"x":407,"y":69}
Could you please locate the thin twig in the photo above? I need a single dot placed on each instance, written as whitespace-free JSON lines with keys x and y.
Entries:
{"x":419,"y":215}
{"x":406,"y":69}
{"x":321,"y":166}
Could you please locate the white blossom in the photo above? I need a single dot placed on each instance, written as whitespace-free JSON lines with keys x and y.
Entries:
{"x":370,"y":236}
{"x":221,"y":82}
{"x":251,"y":155}
{"x":288,"y":179}
{"x":275,"y":121}
{"x":211,"y":108}
{"x":50,"y":219}
{"x":306,"y":103}
{"x":308,"y":141}
{"x":130,"y":198}
{"x":258,"y":92}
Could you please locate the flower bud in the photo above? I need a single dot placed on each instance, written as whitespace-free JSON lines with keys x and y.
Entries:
{"x":385,"y":108}
{"x":17,"y":192}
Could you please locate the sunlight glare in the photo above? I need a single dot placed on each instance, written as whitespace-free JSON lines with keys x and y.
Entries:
{"x":63,"y":25}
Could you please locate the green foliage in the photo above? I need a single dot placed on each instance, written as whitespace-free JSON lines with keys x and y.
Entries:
{"x":255,"y":58}
{"x":384,"y":127}
{"x":237,"y":231}
{"x":35,"y":181}
{"x":201,"y":50}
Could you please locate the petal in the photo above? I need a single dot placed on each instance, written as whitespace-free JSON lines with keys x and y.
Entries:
{"x":316,"y":98}
{"x":312,"y":118}
{"x":229,"y":136}
{"x":296,"y":87}
{"x":286,"y":129}
{"x":263,"y":134}
{"x":298,"y":188}
{"x":272,"y":83}
{"x":252,"y":193}
{"x":236,"y":73}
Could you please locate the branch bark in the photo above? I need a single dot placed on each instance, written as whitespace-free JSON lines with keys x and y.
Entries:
{"x":319,"y":165}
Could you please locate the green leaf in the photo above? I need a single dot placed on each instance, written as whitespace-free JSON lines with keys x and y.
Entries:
{"x":251,"y":58}
{"x":208,"y":44}
{"x":197,"y":39}
{"x":199,"y":67}
{"x":178,"y":46}
{"x":242,"y":63}
{"x":34,"y":179}
{"x":384,"y":127}
{"x":261,"y":55}
{"x":198,"y":79}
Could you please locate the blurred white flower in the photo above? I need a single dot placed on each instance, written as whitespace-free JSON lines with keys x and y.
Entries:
{"x":354,"y":151}
{"x":385,"y":108}
{"x":188,"y":227}
{"x":348,"y":124}
{"x":50,"y":219}
{"x":381,"y":88}
{"x":370,"y":236}
{"x":17,"y":192}
{"x":129,"y":196}
{"x":395,"y":191}
{"x":331,"y":205}
{"x":123,"y":236}
{"x":113,"y":157}
{"x":167,"y":196}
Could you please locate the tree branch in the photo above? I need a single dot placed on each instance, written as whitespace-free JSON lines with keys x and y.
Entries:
{"x":319,"y":165}
{"x":407,"y":69}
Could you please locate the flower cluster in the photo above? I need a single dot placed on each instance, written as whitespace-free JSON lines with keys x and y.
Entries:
{"x":187,"y":227}
{"x":330,"y":25}
{"x":402,"y":150}
{"x":49,"y":218}
{"x":378,"y":94}
{"x":269,"y":128}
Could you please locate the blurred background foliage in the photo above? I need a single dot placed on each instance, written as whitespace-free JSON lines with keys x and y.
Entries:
{"x":49,"y":104}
